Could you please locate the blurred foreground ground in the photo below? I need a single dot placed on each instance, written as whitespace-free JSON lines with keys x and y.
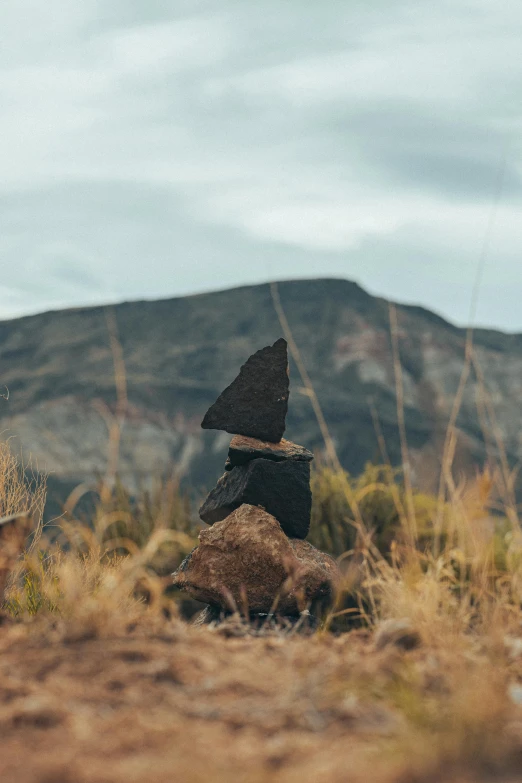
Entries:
{"x":162,"y":701}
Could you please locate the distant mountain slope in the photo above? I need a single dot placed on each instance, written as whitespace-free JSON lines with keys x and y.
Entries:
{"x":180,"y":353}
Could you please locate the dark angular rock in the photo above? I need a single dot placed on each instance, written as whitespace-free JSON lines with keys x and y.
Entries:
{"x":243,"y":450}
{"x":256,"y":402}
{"x":247,"y":562}
{"x":281,"y":488}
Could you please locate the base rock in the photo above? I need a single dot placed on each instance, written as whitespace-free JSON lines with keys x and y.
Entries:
{"x":247,"y":562}
{"x":281,"y":488}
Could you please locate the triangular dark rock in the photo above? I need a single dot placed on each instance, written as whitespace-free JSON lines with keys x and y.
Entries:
{"x":256,"y":402}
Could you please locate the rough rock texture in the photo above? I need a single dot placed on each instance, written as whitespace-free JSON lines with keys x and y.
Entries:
{"x":256,"y":402}
{"x":247,"y":562}
{"x":243,"y":449}
{"x":281,"y":488}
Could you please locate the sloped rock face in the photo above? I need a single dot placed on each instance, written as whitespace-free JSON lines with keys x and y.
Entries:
{"x":247,"y":562}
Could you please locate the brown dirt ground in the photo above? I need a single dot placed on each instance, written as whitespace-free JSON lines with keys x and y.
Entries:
{"x":167,"y":702}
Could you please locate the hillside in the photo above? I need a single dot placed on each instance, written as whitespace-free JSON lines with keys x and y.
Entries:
{"x":180,"y":353}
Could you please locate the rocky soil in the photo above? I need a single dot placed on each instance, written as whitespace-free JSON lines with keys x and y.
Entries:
{"x":162,"y":701}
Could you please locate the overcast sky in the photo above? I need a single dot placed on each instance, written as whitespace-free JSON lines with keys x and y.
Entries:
{"x":152,"y":148}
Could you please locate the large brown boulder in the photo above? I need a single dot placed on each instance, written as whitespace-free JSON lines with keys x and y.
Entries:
{"x":247,"y":562}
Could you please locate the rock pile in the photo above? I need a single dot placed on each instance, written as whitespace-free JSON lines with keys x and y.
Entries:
{"x":254,"y":557}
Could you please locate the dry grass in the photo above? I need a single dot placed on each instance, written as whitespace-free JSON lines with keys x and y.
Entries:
{"x":22,"y":490}
{"x":22,"y":499}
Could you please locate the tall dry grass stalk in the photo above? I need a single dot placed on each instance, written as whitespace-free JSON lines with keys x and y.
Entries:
{"x":331,"y":452}
{"x":409,"y":516}
{"x":114,"y":420}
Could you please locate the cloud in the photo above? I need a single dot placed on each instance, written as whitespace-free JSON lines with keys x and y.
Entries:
{"x":176,"y":46}
{"x":158,"y":148}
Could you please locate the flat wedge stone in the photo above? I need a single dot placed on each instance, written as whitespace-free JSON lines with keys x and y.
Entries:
{"x":281,"y":488}
{"x":256,"y":402}
{"x":243,"y":450}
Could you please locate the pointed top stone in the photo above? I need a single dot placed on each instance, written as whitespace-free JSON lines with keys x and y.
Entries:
{"x":256,"y":402}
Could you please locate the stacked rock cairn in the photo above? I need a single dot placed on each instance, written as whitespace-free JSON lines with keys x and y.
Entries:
{"x":254,"y":559}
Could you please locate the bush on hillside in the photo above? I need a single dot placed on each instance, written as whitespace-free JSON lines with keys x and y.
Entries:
{"x":382,"y":503}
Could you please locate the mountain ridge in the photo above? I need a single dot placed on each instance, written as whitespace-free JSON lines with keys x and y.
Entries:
{"x":181,"y":352}
{"x":414,"y":308}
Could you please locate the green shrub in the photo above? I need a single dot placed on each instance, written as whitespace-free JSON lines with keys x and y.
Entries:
{"x":382,"y":503}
